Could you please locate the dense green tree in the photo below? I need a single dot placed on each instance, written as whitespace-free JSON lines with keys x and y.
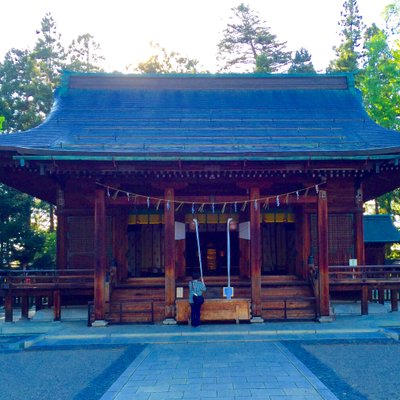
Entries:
{"x":301,"y":63}
{"x":84,"y":54}
{"x":17,"y":242}
{"x":392,"y":17}
{"x":348,"y":52}
{"x":49,"y":52}
{"x":23,"y":95}
{"x":27,"y":81}
{"x":379,"y":80}
{"x":248,"y":45}
{"x":164,"y":61}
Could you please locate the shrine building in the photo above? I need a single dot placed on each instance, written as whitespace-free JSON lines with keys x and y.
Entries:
{"x":272,"y":170}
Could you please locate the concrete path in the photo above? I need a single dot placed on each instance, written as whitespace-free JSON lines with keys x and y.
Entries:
{"x":246,"y":361}
{"x":224,"y":371}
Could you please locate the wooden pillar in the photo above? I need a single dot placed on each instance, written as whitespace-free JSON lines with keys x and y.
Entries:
{"x":8,"y":307}
{"x":359,"y":228}
{"x":57,"y":305}
{"x":25,"y":307}
{"x":61,"y":261}
{"x":169,"y":253}
{"x":120,"y":244}
{"x":38,"y":303}
{"x":364,"y":300}
{"x":323,"y":253}
{"x":381,"y":296}
{"x":100,"y":254}
{"x":306,"y":239}
{"x":180,"y":261}
{"x":393,"y":299}
{"x":255,"y":252}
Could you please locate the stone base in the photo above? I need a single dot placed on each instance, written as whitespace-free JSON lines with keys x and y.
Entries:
{"x":100,"y":323}
{"x":326,"y":318}
{"x":169,"y":321}
{"x":256,"y":320}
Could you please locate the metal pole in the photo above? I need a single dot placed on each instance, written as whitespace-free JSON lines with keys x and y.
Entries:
{"x":228,"y":252}
{"x":198,"y":246}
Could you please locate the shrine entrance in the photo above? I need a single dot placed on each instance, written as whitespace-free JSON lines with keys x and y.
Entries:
{"x":213,"y":245}
{"x":214,"y":253}
{"x":278,"y":241}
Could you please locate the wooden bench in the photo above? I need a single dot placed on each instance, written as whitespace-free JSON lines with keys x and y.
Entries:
{"x":216,"y":310}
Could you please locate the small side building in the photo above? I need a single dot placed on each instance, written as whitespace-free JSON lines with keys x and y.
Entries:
{"x":379,"y":233}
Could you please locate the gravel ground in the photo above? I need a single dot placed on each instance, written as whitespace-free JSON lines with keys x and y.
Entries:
{"x":354,"y":370}
{"x":63,"y":373}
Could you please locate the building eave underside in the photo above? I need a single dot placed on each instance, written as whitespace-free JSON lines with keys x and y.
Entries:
{"x":43,"y":154}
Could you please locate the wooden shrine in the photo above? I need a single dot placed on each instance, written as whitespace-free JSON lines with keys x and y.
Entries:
{"x":131,"y":160}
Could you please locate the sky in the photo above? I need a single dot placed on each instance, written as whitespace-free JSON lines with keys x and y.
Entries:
{"x":125,"y":28}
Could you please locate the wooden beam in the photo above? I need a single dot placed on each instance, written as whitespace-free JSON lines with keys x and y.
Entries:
{"x":120,"y":244}
{"x":8,"y":307}
{"x":100,"y":250}
{"x":255,"y":251}
{"x":38,"y":303}
{"x":393,"y":299}
{"x":305,"y":242}
{"x":122,"y":199}
{"x":169,"y":253}
{"x":25,"y":307}
{"x":61,"y":232}
{"x":62,"y":241}
{"x":323,"y":252}
{"x":359,"y":227}
{"x":364,"y":299}
{"x":57,"y":305}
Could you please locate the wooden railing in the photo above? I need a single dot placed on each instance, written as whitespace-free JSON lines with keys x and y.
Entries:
{"x":360,"y":273}
{"x":313,"y":278}
{"x":365,"y":279}
{"x":46,"y":277}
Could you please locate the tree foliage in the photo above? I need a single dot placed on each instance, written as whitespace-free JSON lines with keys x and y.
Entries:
{"x":20,"y":244}
{"x":27,"y":82}
{"x":248,"y":45}
{"x":301,"y":63}
{"x":348,"y":52}
{"x":84,"y":54}
{"x":379,"y":80}
{"x":164,"y":61}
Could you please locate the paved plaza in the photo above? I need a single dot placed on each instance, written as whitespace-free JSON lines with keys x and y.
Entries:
{"x":354,"y":357}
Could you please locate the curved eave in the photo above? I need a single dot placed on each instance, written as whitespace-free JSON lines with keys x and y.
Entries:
{"x":391,"y":153}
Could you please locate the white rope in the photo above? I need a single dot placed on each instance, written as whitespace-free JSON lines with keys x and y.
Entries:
{"x":228,"y":251}
{"x":198,"y":246}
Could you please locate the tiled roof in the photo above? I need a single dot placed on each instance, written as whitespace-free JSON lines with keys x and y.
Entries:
{"x":380,"y":229}
{"x":251,"y":116}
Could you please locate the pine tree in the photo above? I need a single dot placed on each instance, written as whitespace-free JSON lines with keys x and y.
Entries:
{"x":301,"y":63}
{"x":248,"y":45}
{"x":347,"y":53}
{"x":164,"y":61}
{"x":84,"y":54}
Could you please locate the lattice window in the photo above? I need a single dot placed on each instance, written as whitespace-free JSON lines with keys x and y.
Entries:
{"x":80,"y":236}
{"x":146,"y":250}
{"x":341,"y":241}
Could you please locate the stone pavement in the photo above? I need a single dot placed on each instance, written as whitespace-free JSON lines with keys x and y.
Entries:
{"x":239,"y":370}
{"x":213,"y":361}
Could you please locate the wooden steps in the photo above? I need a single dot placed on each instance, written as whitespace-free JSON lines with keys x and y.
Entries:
{"x":287,"y":298}
{"x":284,"y":297}
{"x":137,"y":301}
